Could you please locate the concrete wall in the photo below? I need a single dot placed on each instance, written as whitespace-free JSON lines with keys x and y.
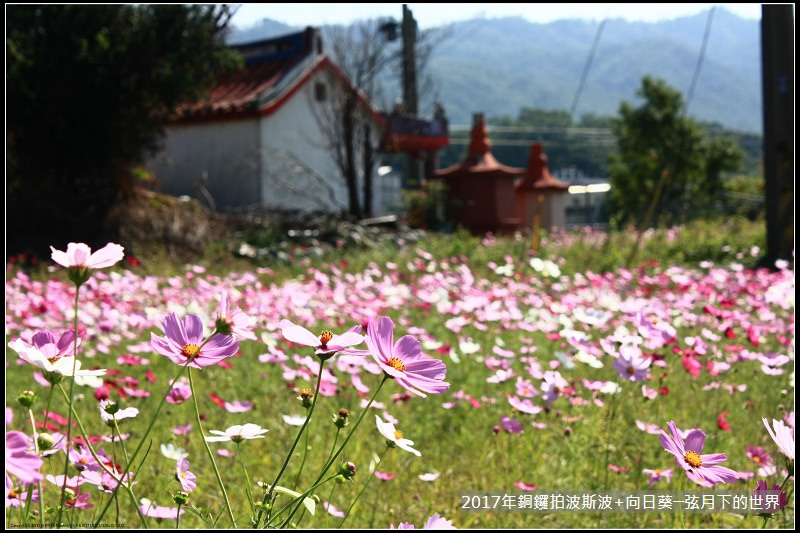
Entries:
{"x":222,"y":156}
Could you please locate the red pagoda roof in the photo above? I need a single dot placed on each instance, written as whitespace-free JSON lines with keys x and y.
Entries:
{"x":537,"y":177}
{"x":479,"y":160}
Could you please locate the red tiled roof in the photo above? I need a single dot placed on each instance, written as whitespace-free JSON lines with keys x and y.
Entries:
{"x":278,"y":68}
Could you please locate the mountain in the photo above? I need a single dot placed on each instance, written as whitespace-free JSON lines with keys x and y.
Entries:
{"x":497,"y":66}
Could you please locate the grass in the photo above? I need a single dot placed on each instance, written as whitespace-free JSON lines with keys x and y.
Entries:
{"x":423,"y":288}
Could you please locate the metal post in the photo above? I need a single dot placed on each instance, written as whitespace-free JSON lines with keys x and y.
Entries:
{"x":777,"y":60}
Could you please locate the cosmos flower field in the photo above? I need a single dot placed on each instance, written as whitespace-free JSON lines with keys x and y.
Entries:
{"x":537,"y":381}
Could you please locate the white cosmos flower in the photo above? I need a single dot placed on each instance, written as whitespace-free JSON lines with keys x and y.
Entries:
{"x":170,"y":451}
{"x":392,"y":435}
{"x":237,"y":433}
{"x":65,"y":366}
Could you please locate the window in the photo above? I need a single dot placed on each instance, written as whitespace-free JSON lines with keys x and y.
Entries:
{"x":320,"y":91}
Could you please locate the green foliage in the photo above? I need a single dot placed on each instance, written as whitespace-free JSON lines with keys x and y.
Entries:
{"x":89,"y":90}
{"x":666,"y":169}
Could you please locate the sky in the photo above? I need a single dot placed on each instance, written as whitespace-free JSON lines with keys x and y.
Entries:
{"x":431,"y":15}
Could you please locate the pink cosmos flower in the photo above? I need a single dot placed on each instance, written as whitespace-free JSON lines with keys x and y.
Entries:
{"x":333,"y":510}
{"x":384,"y":476}
{"x":79,"y":501}
{"x":403,"y":360}
{"x":524,"y":405}
{"x":20,"y":462}
{"x":79,"y":255}
{"x":326,"y":344}
{"x":702,"y":469}
{"x":525,"y":486}
{"x":630,"y":364}
{"x":180,"y":392}
{"x":184,"y":344}
{"x":186,"y":478}
{"x":511,"y":425}
{"x":182,"y":430}
{"x":238,"y":407}
{"x":16,"y":497}
{"x":782,"y":435}
{"x":758,"y":455}
{"x":234,"y":320}
{"x":657,"y":475}
{"x":438,"y":522}
{"x":553,"y":384}
{"x":151,"y":510}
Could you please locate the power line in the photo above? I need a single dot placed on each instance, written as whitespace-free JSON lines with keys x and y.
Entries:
{"x":586,"y":67}
{"x":702,"y":55}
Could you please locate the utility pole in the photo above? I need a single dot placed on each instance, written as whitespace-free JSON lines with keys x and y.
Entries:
{"x":409,"y":30}
{"x":777,"y":60}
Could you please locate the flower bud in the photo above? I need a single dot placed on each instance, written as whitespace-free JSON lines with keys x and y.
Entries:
{"x":181,"y":498}
{"x":342,"y":419}
{"x":69,"y":494}
{"x":27,"y":398}
{"x":111,"y":408}
{"x":306,"y":397}
{"x":45,"y":442}
{"x":348,"y":470}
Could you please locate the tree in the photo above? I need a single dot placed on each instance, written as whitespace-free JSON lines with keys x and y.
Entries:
{"x":89,"y":91}
{"x":666,"y":169}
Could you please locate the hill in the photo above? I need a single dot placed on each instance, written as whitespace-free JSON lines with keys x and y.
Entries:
{"x":498,"y":66}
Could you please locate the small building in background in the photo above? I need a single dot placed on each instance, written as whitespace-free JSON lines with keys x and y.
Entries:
{"x":540,"y":197}
{"x":480,"y":189}
{"x":585,"y":205}
{"x":259,"y":139}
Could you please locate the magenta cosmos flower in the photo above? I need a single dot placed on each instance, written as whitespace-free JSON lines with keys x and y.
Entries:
{"x":184,"y":344}
{"x":403,"y":360}
{"x":702,"y":469}
{"x":326,"y":344}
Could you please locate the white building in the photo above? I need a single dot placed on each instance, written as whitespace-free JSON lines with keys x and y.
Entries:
{"x":259,"y":141}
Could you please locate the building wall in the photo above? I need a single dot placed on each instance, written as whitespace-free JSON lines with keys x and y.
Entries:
{"x":277,"y":161}
{"x":223,"y":157}
{"x":298,"y":167}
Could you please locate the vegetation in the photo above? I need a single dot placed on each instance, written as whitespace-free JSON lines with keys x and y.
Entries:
{"x":666,"y":171}
{"x":433,"y":289}
{"x":89,"y":90}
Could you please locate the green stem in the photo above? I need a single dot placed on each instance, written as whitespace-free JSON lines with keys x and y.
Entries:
{"x":39,"y":483}
{"x":372,"y":475}
{"x":269,"y":494}
{"x":144,"y":436}
{"x":208,"y":450}
{"x":305,"y":456}
{"x":102,"y":465}
{"x":71,"y":396}
{"x":327,"y":466}
{"x":300,"y":498}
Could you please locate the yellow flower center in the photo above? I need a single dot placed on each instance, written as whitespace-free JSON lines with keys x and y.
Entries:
{"x":757,"y":459}
{"x":693,"y":458}
{"x":190,"y":351}
{"x":325,"y":338}
{"x":398,"y":435}
{"x":397,"y":364}
{"x":630,"y":370}
{"x":658,"y":471}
